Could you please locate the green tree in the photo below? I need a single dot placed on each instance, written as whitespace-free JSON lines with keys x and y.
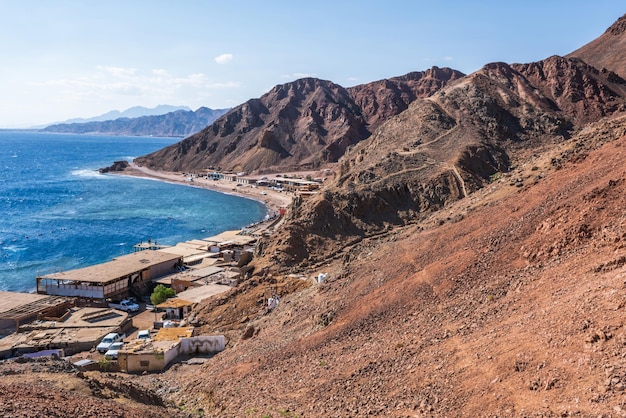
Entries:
{"x":160,"y":294}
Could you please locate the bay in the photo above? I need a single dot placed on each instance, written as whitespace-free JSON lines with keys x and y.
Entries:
{"x":57,"y":212}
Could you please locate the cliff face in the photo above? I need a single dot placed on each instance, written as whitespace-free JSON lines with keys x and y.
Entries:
{"x":300,"y":125}
{"x":380,"y":100}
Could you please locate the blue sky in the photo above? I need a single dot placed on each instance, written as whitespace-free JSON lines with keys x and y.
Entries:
{"x":66,"y":59}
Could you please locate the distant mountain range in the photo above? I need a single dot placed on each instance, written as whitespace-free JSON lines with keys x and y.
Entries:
{"x":163,"y":120}
{"x":132,"y":112}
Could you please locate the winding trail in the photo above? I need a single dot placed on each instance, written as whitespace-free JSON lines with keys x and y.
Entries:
{"x":460,"y":179}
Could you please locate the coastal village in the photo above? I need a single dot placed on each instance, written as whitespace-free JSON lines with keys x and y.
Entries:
{"x":74,"y":311}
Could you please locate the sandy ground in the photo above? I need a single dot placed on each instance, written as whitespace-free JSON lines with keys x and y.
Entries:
{"x":271,"y":198}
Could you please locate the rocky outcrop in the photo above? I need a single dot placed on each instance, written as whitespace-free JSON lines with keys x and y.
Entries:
{"x":383,"y":99}
{"x":580,"y":92}
{"x":115,"y":167}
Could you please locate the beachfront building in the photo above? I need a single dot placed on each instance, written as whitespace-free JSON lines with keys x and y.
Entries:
{"x":296,"y":185}
{"x":214,"y":176}
{"x":246,"y":180}
{"x":113,"y":279}
{"x":192,"y":252}
{"x":229,"y":240}
{"x":71,"y":329}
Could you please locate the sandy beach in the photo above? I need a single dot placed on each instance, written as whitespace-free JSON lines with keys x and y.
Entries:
{"x":273,"y":199}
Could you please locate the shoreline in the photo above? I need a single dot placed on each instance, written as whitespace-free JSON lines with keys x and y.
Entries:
{"x":273,"y":200}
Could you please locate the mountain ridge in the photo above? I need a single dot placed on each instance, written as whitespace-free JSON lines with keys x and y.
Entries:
{"x":179,"y":123}
{"x":445,"y":147}
{"x":131,"y":112}
{"x":299,"y":125}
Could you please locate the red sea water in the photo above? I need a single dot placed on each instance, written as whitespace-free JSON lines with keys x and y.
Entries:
{"x":58,"y":213}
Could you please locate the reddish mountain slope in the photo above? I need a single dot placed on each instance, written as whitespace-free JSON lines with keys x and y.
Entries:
{"x":508,"y":303}
{"x":475,"y":251}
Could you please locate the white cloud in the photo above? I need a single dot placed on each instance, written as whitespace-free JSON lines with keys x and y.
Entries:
{"x":227,"y":85}
{"x":104,"y":87}
{"x":298,"y":75}
{"x":118,"y":71}
{"x":157,"y":85}
{"x":224,"y":58}
{"x":448,"y":58}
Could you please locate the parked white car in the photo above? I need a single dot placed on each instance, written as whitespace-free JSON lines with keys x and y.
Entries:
{"x":108,"y":340}
{"x":125,"y":305}
{"x":113,"y":351}
{"x":143,"y":335}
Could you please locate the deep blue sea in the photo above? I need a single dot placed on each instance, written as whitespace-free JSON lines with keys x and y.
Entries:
{"x":58,"y":213}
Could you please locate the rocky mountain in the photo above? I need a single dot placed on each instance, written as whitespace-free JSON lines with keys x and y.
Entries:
{"x":298,"y":125}
{"x":447,"y":146}
{"x":179,"y":123}
{"x":380,"y":100}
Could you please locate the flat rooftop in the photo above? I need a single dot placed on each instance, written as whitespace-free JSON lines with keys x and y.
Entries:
{"x":204,"y":272}
{"x":113,"y":270}
{"x":54,"y":337}
{"x":95,"y":317}
{"x":192,"y":273}
{"x":12,"y":300}
{"x":199,"y":293}
{"x":187,"y":249}
{"x":16,"y":306}
{"x":231,"y":236}
{"x":174,"y":303}
{"x":173,"y":334}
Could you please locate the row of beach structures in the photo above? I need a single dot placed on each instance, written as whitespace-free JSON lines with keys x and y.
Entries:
{"x":219,"y":259}
{"x":286,"y":183}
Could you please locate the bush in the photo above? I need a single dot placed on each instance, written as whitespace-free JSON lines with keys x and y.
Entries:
{"x":160,"y":294}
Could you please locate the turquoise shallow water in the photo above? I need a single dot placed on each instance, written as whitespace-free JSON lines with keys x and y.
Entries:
{"x":58,"y":213}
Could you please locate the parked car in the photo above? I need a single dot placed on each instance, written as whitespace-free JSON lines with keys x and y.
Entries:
{"x":143,"y":335}
{"x":126,"y":305}
{"x":113,"y":350}
{"x":109,"y":339}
